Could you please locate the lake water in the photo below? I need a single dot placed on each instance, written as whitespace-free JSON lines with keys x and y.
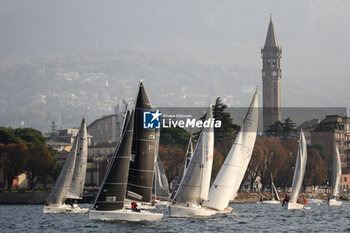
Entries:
{"x":244,"y":218}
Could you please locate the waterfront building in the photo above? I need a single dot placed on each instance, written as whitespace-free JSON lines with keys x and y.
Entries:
{"x":345,"y":183}
{"x":334,"y":130}
{"x":61,"y":139}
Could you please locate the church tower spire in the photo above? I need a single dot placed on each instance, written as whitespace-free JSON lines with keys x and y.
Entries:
{"x":271,"y":74}
{"x":271,"y":40}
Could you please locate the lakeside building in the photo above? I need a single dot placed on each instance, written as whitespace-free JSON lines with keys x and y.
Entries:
{"x":308,"y":127}
{"x":99,"y":156}
{"x":345,"y":183}
{"x":61,"y":139}
{"x":334,"y":130}
{"x":109,"y":127}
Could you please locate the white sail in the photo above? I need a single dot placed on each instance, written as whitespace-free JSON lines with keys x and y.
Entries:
{"x":185,"y":163}
{"x":196,"y":179}
{"x":231,"y":174}
{"x":336,"y":172}
{"x":76,"y":188}
{"x":59,"y":191}
{"x":274,"y":192}
{"x":299,"y":169}
{"x":208,"y":155}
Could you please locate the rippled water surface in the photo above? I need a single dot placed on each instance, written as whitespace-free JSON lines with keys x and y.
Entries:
{"x":244,"y":218}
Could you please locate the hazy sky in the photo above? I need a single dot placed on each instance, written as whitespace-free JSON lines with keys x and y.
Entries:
{"x":314,"y":35}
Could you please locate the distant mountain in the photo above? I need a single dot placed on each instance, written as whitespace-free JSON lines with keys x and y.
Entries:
{"x":68,"y":88}
{"x":187,"y":51}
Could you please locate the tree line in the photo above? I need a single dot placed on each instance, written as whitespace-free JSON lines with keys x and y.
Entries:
{"x":278,"y":148}
{"x":24,"y":150}
{"x":281,"y":156}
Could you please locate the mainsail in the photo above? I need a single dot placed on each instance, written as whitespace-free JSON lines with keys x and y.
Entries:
{"x":299,"y":169}
{"x":161,"y":186}
{"x":273,"y":187}
{"x":112,"y":192}
{"x":76,"y":188}
{"x":231,"y":174}
{"x":208,"y":150}
{"x":193,"y":185}
{"x":140,"y":179}
{"x":275,"y":193}
{"x":336,"y":179}
{"x":185,"y":163}
{"x":60,"y":189}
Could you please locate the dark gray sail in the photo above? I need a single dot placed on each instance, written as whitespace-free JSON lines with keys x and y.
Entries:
{"x":76,"y":188}
{"x":140,"y":179}
{"x":183,"y":169}
{"x":161,"y":186}
{"x":60,"y":189}
{"x":112,"y":192}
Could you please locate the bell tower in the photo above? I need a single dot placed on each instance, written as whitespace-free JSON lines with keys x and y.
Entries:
{"x":271,"y":75}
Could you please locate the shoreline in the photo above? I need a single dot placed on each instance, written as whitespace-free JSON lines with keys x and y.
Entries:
{"x":255,"y":197}
{"x":15,"y":198}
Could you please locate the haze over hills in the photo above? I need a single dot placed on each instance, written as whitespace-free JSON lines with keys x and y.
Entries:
{"x":65,"y":89}
{"x":57,"y":57}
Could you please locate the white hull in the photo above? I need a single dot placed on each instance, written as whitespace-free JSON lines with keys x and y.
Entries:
{"x":316,"y":201}
{"x":273,"y":202}
{"x":184,"y":211}
{"x":294,"y":206}
{"x":124,"y":215}
{"x":75,"y":209}
{"x":334,"y":202}
{"x":162,"y":203}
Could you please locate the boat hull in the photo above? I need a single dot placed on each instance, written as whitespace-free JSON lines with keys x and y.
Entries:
{"x":178,"y":211}
{"x":123,"y":215}
{"x":294,"y":206}
{"x":315,"y":201}
{"x":273,"y":202}
{"x":75,"y":209}
{"x":334,"y":202}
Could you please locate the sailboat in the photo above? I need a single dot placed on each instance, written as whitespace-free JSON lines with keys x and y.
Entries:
{"x":111,"y":198}
{"x":70,"y":183}
{"x":336,"y":178}
{"x":185,"y":163}
{"x":298,"y":174}
{"x":274,"y":193}
{"x":230,"y":176}
{"x":160,"y":182}
{"x":161,"y":186}
{"x":143,"y":152}
{"x":194,"y":187}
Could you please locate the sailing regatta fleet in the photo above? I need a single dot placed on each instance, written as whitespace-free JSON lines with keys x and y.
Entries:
{"x":135,"y":170}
